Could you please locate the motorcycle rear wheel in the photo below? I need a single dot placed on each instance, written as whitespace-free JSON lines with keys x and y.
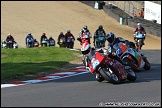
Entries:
{"x":131,"y":64}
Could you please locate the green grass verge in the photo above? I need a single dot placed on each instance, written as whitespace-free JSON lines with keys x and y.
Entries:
{"x":31,"y":60}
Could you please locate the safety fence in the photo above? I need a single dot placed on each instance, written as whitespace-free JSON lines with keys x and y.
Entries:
{"x":121,"y":11}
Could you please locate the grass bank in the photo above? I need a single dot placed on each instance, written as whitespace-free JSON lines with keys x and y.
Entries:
{"x":15,"y":62}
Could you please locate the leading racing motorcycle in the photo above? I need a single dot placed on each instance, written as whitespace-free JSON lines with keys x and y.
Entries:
{"x":108,"y":68}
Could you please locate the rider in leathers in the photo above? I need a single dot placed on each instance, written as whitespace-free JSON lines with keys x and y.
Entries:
{"x":139,"y":29}
{"x":100,"y":31}
{"x":29,"y":36}
{"x":84,"y":30}
{"x":43,"y":37}
{"x":112,"y":39}
{"x":9,"y":38}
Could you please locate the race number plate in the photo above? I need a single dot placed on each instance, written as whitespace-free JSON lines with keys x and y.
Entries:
{"x":95,"y":64}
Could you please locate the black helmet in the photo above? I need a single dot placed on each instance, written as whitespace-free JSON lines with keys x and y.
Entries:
{"x":68,"y":31}
{"x":100,"y":27}
{"x":110,"y":37}
{"x":85,"y":27}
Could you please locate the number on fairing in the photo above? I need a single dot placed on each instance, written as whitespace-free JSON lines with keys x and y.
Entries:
{"x":95,"y":64}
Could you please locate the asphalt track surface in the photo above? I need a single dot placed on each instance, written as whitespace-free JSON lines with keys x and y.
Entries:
{"x":84,"y":91}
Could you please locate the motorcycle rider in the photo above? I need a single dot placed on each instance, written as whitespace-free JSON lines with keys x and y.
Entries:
{"x":43,"y":37}
{"x":61,"y":35}
{"x":9,"y":38}
{"x":83,"y":30}
{"x":101,"y":31}
{"x":50,"y":39}
{"x":67,"y":35}
{"x":29,"y":36}
{"x":112,"y":39}
{"x":139,"y":29}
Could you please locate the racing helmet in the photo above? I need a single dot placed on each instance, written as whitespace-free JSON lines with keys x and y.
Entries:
{"x":85,"y":27}
{"x":86,"y":48}
{"x":68,"y":31}
{"x":110,"y":37}
{"x":29,"y":33}
{"x":61,"y":33}
{"x":100,"y":27}
{"x":139,"y":25}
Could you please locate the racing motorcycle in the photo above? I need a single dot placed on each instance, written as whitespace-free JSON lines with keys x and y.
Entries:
{"x":85,"y":38}
{"x":139,"y":39}
{"x":62,"y":42}
{"x":100,"y":41}
{"x":30,"y":42}
{"x":10,"y":44}
{"x":3,"y":45}
{"x":135,"y":59}
{"x":70,"y":42}
{"x":109,"y":69}
{"x":51,"y":42}
{"x":15,"y":45}
{"x":36,"y":44}
{"x":44,"y":42}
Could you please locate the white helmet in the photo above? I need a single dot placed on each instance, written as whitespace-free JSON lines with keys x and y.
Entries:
{"x":85,"y":48}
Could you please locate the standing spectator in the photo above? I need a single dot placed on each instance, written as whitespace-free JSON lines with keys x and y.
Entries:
{"x":139,"y":14}
{"x":142,"y":13}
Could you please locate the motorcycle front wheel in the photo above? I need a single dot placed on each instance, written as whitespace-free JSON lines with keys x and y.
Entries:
{"x":147,"y":65}
{"x":110,"y":74}
{"x":131,"y":76}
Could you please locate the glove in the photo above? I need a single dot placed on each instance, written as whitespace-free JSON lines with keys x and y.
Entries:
{"x":58,"y":43}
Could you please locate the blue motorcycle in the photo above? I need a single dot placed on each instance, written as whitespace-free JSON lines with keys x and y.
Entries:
{"x":139,"y":39}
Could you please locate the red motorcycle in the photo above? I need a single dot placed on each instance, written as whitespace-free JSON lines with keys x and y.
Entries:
{"x":70,"y":42}
{"x":86,"y":38}
{"x":110,"y":69}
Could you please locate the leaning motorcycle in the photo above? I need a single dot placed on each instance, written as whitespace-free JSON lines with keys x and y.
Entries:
{"x":132,"y":57}
{"x":139,"y":39}
{"x":109,"y":69}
